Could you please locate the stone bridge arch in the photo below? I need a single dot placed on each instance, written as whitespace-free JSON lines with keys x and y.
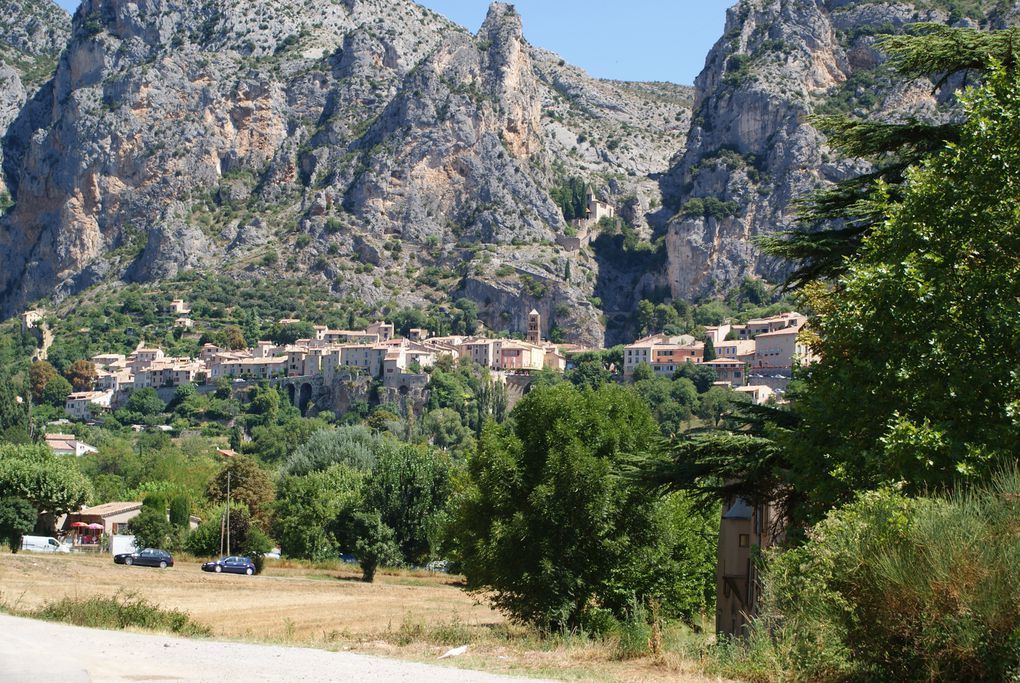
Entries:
{"x":304,"y":392}
{"x":304,"y":397}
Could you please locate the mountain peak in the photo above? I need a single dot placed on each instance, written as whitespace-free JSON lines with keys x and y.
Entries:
{"x":500,"y":17}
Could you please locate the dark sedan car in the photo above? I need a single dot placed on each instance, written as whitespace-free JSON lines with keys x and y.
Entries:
{"x":232,"y":565}
{"x":150,"y":557}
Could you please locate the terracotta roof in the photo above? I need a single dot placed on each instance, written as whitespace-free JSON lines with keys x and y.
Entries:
{"x":109,"y":509}
{"x":86,"y":395}
{"x":786,"y":331}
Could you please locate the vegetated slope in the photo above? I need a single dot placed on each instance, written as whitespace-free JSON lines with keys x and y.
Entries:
{"x":752,"y":150}
{"x":369,"y":144}
{"x":32,"y":34}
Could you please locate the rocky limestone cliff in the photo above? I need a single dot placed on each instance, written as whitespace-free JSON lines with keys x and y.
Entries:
{"x":751,"y":150}
{"x":32,"y":34}
{"x":369,"y":143}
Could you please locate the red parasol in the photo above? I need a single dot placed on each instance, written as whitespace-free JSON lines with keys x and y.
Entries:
{"x":79,"y":525}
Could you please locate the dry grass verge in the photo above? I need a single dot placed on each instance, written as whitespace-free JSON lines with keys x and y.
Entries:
{"x":405,"y":614}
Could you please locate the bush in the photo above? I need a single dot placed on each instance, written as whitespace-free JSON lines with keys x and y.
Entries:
{"x":180,"y":512}
{"x":246,"y":538}
{"x":145,"y":402}
{"x":125,"y":610}
{"x":375,"y":546}
{"x":151,"y":529}
{"x":889,"y":588}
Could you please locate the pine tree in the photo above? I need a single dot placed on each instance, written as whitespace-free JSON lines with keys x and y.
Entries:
{"x":910,"y":428}
{"x":835,"y":220}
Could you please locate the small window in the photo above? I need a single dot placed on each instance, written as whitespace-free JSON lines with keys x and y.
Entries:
{"x":744,"y":540}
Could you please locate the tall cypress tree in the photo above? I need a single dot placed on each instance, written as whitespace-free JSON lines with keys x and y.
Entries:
{"x":709,"y":349}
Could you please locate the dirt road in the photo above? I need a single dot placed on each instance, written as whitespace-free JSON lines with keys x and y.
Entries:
{"x":38,"y":652}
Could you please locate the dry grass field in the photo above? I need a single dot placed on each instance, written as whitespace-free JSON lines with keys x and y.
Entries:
{"x":412,"y":615}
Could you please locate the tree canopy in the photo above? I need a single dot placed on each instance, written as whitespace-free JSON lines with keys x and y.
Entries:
{"x":918,"y":376}
{"x":250,"y":485}
{"x":51,"y":483}
{"x":549,"y":530}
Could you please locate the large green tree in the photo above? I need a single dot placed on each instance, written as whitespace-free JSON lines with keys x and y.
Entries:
{"x":250,"y":485}
{"x":353,"y":445}
{"x":14,"y":409}
{"x":409,"y":486}
{"x":51,"y":483}
{"x":311,"y":513}
{"x":17,"y":517}
{"x":918,"y":379}
{"x":547,"y":528}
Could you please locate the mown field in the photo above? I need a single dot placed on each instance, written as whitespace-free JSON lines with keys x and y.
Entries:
{"x":412,"y":615}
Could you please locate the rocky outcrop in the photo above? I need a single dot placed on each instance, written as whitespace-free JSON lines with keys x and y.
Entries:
{"x":369,"y":143}
{"x":32,"y":34}
{"x":752,"y":150}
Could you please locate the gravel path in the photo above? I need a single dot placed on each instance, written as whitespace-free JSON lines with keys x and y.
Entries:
{"x":34,"y":651}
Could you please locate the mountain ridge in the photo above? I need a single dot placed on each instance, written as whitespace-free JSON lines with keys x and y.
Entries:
{"x":400,"y":161}
{"x":185,"y":134}
{"x":752,"y":148}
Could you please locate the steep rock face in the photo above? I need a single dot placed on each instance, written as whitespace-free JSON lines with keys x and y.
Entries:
{"x":32,"y":34}
{"x":751,"y":150}
{"x":152,"y":103}
{"x":455,"y":145}
{"x":372,"y":143}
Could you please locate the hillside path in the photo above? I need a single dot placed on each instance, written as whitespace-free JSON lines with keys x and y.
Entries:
{"x":33,"y":651}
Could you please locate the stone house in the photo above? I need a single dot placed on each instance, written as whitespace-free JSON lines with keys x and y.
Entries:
{"x":519,"y":355}
{"x":757,"y":326}
{"x":759,"y":393}
{"x":744,"y":530}
{"x":729,"y":370}
{"x":739,"y":349}
{"x":781,"y":350}
{"x":115,"y":517}
{"x":645,"y":350}
{"x":68,"y":444}
{"x":82,"y":404}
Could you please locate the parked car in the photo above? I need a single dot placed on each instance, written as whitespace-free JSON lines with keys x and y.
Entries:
{"x":149,"y":557}
{"x":233,"y":565}
{"x":44,"y":544}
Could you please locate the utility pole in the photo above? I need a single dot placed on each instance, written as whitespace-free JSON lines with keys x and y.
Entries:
{"x":228,"y":512}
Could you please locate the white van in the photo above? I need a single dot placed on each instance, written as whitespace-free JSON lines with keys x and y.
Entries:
{"x":43,"y":544}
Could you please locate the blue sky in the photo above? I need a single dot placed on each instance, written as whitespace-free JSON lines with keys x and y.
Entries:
{"x":637,"y":40}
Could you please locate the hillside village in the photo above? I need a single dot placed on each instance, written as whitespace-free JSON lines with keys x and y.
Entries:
{"x":756,"y":358}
